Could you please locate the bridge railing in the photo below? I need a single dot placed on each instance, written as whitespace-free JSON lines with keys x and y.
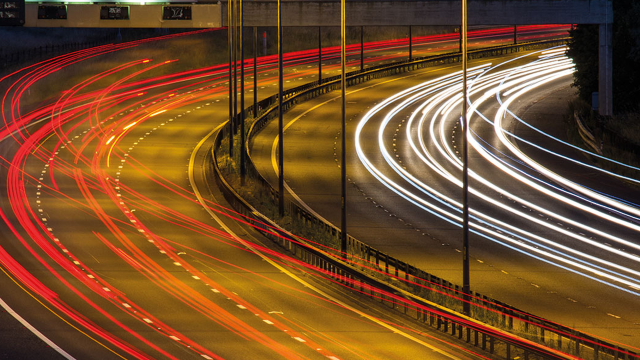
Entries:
{"x":427,"y":298}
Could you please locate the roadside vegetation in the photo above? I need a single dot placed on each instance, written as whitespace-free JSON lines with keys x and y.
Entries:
{"x":617,"y":136}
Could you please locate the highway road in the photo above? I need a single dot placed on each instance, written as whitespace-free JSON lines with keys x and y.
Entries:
{"x":110,"y":250}
{"x":551,"y":234}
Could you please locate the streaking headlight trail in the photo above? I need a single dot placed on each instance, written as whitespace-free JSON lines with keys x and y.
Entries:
{"x":598,"y":248}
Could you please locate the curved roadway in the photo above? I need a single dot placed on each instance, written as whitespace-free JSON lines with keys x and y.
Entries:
{"x":109,"y":250}
{"x":556,"y":252}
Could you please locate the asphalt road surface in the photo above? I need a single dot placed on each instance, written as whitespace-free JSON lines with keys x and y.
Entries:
{"x":109,"y":250}
{"x":550,"y":247}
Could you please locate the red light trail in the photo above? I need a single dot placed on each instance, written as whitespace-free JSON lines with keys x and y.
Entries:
{"x":81,"y":143}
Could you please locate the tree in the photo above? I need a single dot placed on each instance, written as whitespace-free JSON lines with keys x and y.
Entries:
{"x":583,"y":49}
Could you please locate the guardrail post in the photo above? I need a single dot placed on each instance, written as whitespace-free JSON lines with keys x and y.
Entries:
{"x":559,"y":341}
{"x":406,"y":271}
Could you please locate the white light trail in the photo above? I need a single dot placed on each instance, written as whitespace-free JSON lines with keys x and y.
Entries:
{"x":431,"y":105}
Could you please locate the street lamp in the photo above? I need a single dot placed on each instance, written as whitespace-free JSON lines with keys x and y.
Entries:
{"x":243,"y":168}
{"x":343,"y":165}
{"x":280,"y":123}
{"x":465,"y":169}
{"x":230,"y":47}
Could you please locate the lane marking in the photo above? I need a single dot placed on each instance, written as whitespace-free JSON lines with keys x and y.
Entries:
{"x":35,"y":331}
{"x":286,"y":271}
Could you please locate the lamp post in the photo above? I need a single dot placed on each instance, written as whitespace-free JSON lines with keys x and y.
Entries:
{"x":230,"y":48}
{"x":465,"y":168}
{"x":361,"y":48}
{"x":410,"y":44}
{"x":343,"y":164}
{"x":319,"y":55}
{"x":280,"y":124}
{"x":243,"y":170}
{"x":255,"y":71}
{"x":235,"y":67}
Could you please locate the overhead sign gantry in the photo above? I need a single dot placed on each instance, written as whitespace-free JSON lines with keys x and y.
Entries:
{"x":12,"y":12}
{"x":123,"y":14}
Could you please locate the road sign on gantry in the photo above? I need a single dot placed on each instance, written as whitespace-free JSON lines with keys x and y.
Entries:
{"x":11,"y":12}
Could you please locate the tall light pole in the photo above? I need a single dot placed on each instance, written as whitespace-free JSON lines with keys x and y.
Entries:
{"x":230,"y":47}
{"x":280,"y":124}
{"x":243,"y":168}
{"x":255,"y":71}
{"x":235,"y":66}
{"x":361,"y":48}
{"x":343,"y":164}
{"x":465,"y":169}
{"x":410,"y":45}
{"x":319,"y":55}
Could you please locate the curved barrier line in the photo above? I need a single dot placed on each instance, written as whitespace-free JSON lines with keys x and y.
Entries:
{"x":35,"y":331}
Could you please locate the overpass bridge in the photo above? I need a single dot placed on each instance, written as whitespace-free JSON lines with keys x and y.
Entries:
{"x":151,"y":14}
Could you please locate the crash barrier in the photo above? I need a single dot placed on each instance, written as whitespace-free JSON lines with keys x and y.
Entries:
{"x":498,"y":328}
{"x":586,"y":135}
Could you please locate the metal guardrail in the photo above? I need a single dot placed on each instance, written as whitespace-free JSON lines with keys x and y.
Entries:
{"x":586,"y":135}
{"x":417,"y":291}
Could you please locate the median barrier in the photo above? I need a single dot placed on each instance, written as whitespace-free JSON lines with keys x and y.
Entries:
{"x":498,"y":328}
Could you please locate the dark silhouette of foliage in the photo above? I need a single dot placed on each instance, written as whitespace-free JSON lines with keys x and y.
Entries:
{"x":583,"y":49}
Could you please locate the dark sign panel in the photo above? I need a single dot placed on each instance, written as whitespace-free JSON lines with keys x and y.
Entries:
{"x":12,"y":13}
{"x":176,"y":13}
{"x":114,"y":13}
{"x":52,"y":11}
